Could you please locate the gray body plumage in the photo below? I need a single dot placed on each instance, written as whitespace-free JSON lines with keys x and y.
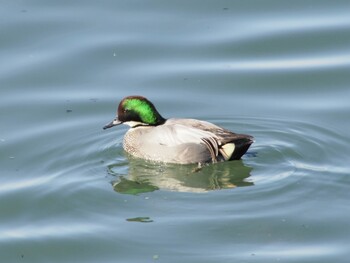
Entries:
{"x":185,"y":141}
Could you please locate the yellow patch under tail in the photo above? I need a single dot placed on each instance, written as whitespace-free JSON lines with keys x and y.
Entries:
{"x":227,"y":150}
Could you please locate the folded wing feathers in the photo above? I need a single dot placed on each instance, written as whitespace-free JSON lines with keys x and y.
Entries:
{"x":212,"y":146}
{"x":216,"y":139}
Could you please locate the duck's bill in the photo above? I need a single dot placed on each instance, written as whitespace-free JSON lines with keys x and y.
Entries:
{"x":113,"y":123}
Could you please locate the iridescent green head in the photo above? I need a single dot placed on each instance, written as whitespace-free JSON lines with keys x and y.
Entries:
{"x":136,"y":111}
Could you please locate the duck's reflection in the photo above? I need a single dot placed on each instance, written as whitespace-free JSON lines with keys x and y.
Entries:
{"x":145,"y":177}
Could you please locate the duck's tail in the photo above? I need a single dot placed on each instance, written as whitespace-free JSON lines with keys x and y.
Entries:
{"x":235,"y":149}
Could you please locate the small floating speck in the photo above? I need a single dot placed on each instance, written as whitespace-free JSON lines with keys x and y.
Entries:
{"x":155,"y":257}
{"x":12,"y":157}
{"x":69,"y":111}
{"x":140,"y":219}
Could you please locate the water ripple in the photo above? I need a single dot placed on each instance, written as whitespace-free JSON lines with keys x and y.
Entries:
{"x":49,"y":231}
{"x":292,"y":64}
{"x":289,"y":148}
{"x":284,"y":152}
{"x":23,"y":184}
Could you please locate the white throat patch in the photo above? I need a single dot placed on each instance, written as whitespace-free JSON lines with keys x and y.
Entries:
{"x":133,"y":124}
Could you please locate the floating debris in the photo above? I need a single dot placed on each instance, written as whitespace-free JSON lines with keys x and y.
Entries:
{"x":145,"y":219}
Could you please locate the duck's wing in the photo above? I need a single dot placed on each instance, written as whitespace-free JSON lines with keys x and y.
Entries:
{"x":230,"y":145}
{"x":179,"y":135}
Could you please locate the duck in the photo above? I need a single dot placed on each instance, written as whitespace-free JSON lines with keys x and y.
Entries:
{"x":175,"y":140}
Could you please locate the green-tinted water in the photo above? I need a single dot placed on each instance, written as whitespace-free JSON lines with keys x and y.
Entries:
{"x":276,"y":70}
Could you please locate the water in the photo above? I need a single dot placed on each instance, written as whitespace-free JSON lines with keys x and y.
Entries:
{"x":276,"y":70}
